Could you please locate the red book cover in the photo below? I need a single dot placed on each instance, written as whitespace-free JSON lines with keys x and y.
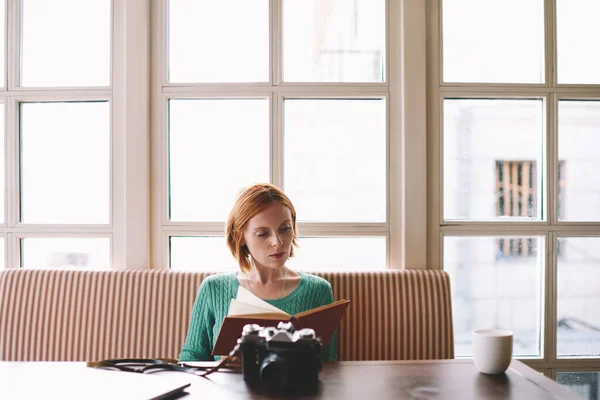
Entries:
{"x":324,"y":320}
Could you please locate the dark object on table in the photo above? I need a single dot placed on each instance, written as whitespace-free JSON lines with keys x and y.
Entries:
{"x":280,"y":359}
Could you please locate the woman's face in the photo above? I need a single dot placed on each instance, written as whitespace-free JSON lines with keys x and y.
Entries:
{"x":268,"y":236}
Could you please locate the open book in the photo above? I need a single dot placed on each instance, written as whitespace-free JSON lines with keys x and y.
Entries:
{"x":247,"y":308}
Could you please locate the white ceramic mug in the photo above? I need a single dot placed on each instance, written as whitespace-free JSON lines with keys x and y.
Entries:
{"x":492,"y":350}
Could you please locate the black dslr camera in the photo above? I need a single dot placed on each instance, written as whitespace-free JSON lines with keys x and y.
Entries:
{"x":281,"y":358}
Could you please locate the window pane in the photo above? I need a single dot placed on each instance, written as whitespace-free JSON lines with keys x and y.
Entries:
{"x":218,"y":41}
{"x":578,"y":297}
{"x":42,"y":253}
{"x":577,"y":34}
{"x":65,"y":43}
{"x":340,"y":253}
{"x":578,"y":143}
{"x":215,"y":148}
{"x":482,"y":41}
{"x":334,"y":41}
{"x":335,"y":159}
{"x":2,"y":155}
{"x":585,"y":384}
{"x":493,"y":159}
{"x":65,"y":162}
{"x":2,"y":29}
{"x":2,"y":252}
{"x":209,"y":253}
{"x":494,"y":285}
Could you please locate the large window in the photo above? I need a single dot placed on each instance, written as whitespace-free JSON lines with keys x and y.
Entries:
{"x":127,"y":127}
{"x":56,"y":124}
{"x":291,"y":92}
{"x":515,"y":219}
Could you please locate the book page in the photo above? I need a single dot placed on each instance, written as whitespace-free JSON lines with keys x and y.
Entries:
{"x":322,"y":308}
{"x":245,"y":296}
{"x":237,"y":307}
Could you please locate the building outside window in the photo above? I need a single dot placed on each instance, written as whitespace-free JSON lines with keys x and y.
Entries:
{"x":514,"y":116}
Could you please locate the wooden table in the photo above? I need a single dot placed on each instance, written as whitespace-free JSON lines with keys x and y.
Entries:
{"x":375,"y":380}
{"x":447,"y":379}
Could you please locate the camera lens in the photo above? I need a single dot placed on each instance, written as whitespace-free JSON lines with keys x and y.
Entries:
{"x":274,"y":372}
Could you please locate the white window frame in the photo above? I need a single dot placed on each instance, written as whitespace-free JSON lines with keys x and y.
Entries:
{"x":406,"y":200}
{"x":551,"y":228}
{"x":128,"y":97}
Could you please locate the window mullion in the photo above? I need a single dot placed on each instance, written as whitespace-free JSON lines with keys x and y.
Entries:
{"x":158,"y":134}
{"x":550,"y":298}
{"x":276,"y":100}
{"x":7,"y":41}
{"x":13,"y":251}
{"x":407,"y":135}
{"x":552,"y":157}
{"x":276,"y":140}
{"x":550,"y":42}
{"x":11,"y":162}
{"x":11,"y":182}
{"x":13,"y":41}
{"x":130,"y":125}
{"x":275,"y":51}
{"x":434,"y":135}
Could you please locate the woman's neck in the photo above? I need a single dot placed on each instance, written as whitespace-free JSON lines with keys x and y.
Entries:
{"x":270,"y":283}
{"x":265,"y":275}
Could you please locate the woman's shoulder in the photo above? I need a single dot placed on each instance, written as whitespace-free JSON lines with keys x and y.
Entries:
{"x":221,"y":277}
{"x":315,"y":281}
{"x":217,"y":280}
{"x":317,"y":289}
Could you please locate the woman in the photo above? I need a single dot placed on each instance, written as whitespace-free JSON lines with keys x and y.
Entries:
{"x":261,"y":234}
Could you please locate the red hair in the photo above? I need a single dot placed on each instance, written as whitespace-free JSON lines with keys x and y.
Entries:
{"x":250,"y":201}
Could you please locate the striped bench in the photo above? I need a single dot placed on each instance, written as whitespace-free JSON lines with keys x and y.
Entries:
{"x":77,"y":315}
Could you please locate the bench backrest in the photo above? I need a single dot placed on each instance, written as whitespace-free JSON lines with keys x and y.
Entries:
{"x":77,"y":315}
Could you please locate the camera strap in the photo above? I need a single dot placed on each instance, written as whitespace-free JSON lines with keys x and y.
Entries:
{"x":152,"y":365}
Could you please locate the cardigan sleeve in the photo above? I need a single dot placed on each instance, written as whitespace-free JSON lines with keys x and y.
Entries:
{"x":198,"y":343}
